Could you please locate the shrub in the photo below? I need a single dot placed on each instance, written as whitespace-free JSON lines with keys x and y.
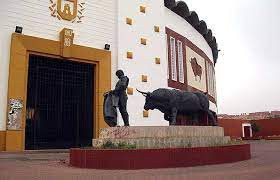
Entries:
{"x":121,"y":145}
{"x":109,"y":145}
{"x":255,"y":128}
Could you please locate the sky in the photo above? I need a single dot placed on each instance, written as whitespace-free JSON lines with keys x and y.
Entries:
{"x":248,"y":67}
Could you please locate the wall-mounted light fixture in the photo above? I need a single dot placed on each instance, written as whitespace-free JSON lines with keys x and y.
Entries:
{"x":18,"y":29}
{"x":107,"y":47}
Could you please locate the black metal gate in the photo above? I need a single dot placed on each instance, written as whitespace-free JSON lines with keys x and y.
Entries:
{"x":59,"y":104}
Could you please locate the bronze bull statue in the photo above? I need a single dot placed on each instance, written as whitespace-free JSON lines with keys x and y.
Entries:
{"x":172,"y":102}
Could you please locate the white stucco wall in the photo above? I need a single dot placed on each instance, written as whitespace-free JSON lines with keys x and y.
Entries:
{"x":143,"y":62}
{"x":4,"y":70}
{"x":99,"y":26}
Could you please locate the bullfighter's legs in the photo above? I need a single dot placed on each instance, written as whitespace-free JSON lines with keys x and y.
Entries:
{"x":123,"y":111}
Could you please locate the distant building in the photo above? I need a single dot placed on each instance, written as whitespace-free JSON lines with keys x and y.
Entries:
{"x":275,"y":113}
{"x":238,"y":126}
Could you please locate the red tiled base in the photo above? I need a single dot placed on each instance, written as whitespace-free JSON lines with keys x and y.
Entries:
{"x":251,"y":138}
{"x":158,"y":158}
{"x":272,"y":138}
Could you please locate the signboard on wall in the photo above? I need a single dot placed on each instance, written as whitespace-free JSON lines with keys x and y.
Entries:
{"x":66,"y":42}
{"x":195,"y":70}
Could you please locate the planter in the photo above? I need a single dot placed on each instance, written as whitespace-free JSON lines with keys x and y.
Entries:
{"x":157,"y":158}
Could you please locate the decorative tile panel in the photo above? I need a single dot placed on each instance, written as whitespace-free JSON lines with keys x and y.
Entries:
{"x":130,"y":91}
{"x":129,"y":21}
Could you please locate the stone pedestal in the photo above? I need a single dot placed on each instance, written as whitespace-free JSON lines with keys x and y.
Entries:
{"x":163,"y":136}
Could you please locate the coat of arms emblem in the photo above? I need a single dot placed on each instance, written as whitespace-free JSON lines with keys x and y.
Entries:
{"x":69,"y":10}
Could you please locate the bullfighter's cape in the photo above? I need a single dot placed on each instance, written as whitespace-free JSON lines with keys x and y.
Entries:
{"x":110,"y":109}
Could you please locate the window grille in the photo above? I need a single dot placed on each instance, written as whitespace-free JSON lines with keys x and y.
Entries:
{"x":180,"y":61}
{"x":173,"y":59}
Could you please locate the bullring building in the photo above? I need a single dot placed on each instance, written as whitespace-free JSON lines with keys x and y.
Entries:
{"x":58,"y":57}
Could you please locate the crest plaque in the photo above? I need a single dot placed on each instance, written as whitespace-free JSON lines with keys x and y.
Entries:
{"x":69,"y":10}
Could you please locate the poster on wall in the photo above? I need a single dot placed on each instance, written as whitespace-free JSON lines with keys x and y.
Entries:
{"x":14,"y":114}
{"x":195,"y":70}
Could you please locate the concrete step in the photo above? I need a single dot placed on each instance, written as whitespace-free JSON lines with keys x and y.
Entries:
{"x":160,"y":132}
{"x":166,"y":142}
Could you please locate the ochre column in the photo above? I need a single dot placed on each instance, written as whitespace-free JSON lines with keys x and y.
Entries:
{"x":17,"y":90}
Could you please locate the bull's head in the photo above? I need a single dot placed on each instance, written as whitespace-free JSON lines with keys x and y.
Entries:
{"x":149,"y":104}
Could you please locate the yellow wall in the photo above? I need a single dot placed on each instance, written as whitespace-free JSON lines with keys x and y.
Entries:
{"x":22,"y":46}
{"x":2,"y":140}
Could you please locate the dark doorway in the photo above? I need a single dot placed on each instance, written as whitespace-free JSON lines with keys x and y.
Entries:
{"x":247,"y":132}
{"x":59,"y":104}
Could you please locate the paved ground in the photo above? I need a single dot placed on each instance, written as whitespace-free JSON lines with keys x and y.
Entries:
{"x":264,"y":165}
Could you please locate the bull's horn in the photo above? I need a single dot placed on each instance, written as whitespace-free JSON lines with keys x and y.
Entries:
{"x":144,"y":93}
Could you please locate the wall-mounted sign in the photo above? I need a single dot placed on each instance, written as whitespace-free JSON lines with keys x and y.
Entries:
{"x":66,"y":42}
{"x":69,"y":10}
{"x":14,"y":114}
{"x":196,"y":70}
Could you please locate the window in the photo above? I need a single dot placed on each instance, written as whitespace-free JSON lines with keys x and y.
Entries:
{"x":211,"y":80}
{"x":173,"y":59}
{"x":215,"y":91}
{"x":180,"y":61}
{"x":176,"y":60}
{"x":167,"y":58}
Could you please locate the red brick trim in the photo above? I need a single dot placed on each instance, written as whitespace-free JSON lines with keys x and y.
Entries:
{"x":171,"y":83}
{"x":158,"y":158}
{"x":185,"y":42}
